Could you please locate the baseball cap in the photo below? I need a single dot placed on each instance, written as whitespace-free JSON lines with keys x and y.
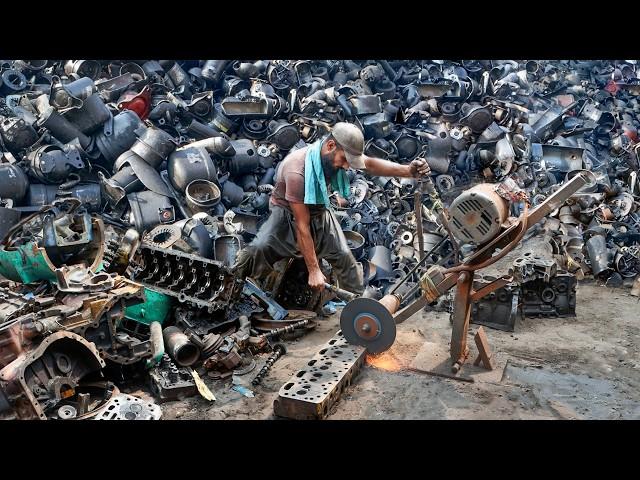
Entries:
{"x":351,"y":140}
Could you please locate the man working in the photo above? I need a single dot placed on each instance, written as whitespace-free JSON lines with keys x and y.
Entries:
{"x":301,"y":221}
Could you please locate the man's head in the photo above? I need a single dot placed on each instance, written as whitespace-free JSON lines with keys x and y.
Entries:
{"x":343,"y":148}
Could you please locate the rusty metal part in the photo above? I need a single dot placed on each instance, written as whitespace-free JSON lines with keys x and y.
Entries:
{"x":170,"y":382}
{"x":78,"y":278}
{"x":599,"y":254}
{"x":555,"y":297}
{"x":317,"y":387}
{"x":226,"y":248}
{"x":65,"y":239}
{"x":278,"y":350}
{"x":289,"y":328}
{"x":163,"y":236}
{"x":190,"y":278}
{"x":627,"y":261}
{"x":13,"y":304}
{"x":489,"y":287}
{"x":119,"y":252}
{"x":344,"y":294}
{"x":43,"y":376}
{"x":438,"y":374}
{"x":179,"y":347}
{"x":266,"y":323}
{"x":247,"y":365}
{"x":103,"y":313}
{"x":96,"y":316}
{"x":531,"y":267}
{"x":226,"y":358}
{"x":210,"y":343}
{"x":418,"y":213}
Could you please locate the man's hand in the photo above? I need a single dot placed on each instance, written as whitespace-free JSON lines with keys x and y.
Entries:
{"x":306,"y":245}
{"x":316,"y":279}
{"x":419,"y":168}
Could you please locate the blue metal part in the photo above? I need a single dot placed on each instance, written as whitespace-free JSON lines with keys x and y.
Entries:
{"x":277,"y":311}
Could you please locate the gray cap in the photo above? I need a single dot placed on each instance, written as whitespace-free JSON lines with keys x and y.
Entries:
{"x":350,"y":139}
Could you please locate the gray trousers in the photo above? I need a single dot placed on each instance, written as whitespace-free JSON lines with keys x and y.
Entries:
{"x":276,"y":240}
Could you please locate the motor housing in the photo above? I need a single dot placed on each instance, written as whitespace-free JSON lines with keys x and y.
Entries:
{"x":477,"y":214}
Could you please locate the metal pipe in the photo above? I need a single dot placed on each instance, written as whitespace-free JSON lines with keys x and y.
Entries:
{"x":157,"y":344}
{"x":340,"y":292}
{"x":178,"y":346}
{"x":202,"y":131}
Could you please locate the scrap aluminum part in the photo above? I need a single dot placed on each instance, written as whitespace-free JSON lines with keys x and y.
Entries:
{"x":538,"y":289}
{"x":43,"y":376}
{"x":97,"y":316}
{"x":165,"y":141}
{"x":185,"y":154}
{"x":127,"y":407}
{"x":314,"y":390}
{"x":198,"y":281}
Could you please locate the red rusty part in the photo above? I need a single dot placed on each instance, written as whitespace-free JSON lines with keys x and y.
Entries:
{"x":612,"y":87}
{"x":631,"y":133}
{"x":140,"y":103}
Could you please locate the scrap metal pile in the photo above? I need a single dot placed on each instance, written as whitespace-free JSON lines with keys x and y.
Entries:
{"x":128,"y":187}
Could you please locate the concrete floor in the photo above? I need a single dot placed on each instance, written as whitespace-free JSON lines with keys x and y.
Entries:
{"x":582,"y":367}
{"x":587,"y":367}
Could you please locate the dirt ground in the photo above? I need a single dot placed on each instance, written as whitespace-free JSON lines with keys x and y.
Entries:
{"x":584,"y":367}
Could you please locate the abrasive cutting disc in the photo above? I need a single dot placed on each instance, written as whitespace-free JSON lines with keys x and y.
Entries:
{"x":366,"y":322}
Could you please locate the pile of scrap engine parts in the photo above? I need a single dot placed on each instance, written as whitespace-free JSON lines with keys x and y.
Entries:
{"x":128,"y":187}
{"x":539,"y":289}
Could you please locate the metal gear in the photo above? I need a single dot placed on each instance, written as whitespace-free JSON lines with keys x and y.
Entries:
{"x":163,"y":236}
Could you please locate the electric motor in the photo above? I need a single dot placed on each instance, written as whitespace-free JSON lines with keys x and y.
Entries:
{"x":476,"y":215}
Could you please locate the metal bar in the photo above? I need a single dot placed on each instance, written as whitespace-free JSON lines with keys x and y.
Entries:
{"x":493,"y":286}
{"x":409,"y":310}
{"x":443,"y":375}
{"x":279,"y":350}
{"x":485,"y":355}
{"x":461,"y":311}
{"x":287,"y":329}
{"x":340,"y":292}
{"x":417,"y":265}
{"x":418,"y":209}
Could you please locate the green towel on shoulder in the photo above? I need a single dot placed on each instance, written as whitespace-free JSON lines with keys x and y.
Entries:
{"x":315,"y":186}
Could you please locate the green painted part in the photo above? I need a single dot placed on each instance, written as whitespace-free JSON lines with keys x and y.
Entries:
{"x":155,"y":360}
{"x":25,"y":264}
{"x":154,"y":309}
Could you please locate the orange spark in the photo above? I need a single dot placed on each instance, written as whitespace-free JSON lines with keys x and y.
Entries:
{"x":384,"y":361}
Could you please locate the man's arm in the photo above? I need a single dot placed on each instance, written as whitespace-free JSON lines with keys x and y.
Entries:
{"x":385,"y":168}
{"x":306,"y":244}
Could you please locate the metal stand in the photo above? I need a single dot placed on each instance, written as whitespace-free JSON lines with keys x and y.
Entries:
{"x":373,"y":324}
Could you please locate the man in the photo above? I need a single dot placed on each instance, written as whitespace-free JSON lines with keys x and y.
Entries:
{"x":301,"y":222}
